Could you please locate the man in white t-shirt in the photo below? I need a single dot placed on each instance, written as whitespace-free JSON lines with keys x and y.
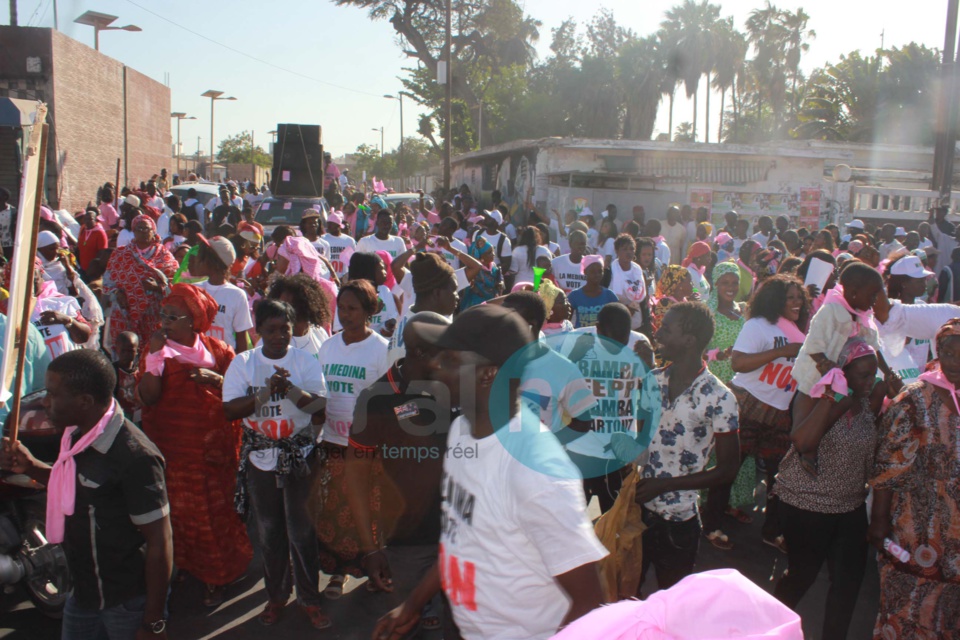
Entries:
{"x":435,"y":289}
{"x":890,"y":243}
{"x":276,"y":391}
{"x":513,"y":510}
{"x":675,"y":235}
{"x":381,"y":240}
{"x":339,"y":242}
{"x":566,"y":268}
{"x":490,"y":231}
{"x":765,"y":232}
{"x":233,"y":321}
{"x":446,"y":228}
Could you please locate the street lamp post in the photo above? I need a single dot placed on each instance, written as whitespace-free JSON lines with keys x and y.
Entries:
{"x":214,"y":95}
{"x":380,"y":129}
{"x":101,"y":22}
{"x":400,"y":163}
{"x":179,"y":115}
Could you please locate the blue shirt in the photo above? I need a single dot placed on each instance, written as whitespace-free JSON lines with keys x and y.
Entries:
{"x":36,"y":359}
{"x":585,"y":308}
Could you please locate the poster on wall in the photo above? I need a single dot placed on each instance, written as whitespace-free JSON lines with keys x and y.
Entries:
{"x":810,"y":207}
{"x":701,"y":198}
{"x":751,"y":204}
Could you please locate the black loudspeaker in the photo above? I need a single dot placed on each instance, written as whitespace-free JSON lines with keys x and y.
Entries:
{"x":297,"y":161}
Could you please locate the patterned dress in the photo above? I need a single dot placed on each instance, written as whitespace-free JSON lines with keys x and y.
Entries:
{"x":918,"y":460}
{"x":127,"y":268}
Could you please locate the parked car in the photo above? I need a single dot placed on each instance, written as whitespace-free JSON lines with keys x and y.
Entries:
{"x":394,"y":199}
{"x":287,"y":210}
{"x":205,"y":190}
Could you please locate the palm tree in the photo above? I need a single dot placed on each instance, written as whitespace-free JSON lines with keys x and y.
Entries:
{"x":685,"y":133}
{"x":765,"y":32}
{"x":689,"y":33}
{"x":728,"y":59}
{"x":797,"y":37}
{"x":13,"y":13}
{"x":642,"y":72}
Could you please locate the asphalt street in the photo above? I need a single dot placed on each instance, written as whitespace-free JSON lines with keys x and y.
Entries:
{"x":356,"y":612}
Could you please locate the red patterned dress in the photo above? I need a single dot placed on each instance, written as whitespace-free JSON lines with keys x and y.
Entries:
{"x":128,"y":267}
{"x":201,"y":448}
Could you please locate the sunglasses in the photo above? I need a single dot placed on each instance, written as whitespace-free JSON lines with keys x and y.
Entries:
{"x":171,"y":318}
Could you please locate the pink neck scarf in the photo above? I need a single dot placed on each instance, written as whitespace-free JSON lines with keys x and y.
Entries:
{"x":937,"y":379}
{"x":790,"y":330}
{"x":62,"y":488}
{"x":196,"y":355}
{"x":863,"y":318}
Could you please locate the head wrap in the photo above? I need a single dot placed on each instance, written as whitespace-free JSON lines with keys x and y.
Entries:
{"x":47,"y":239}
{"x":197,"y":301}
{"x":670,"y":281}
{"x":302,"y":257}
{"x":379,"y":201}
{"x":949,"y":329}
{"x":586,"y":261}
{"x":721,"y":269}
{"x":549,"y":292}
{"x":429,"y":272}
{"x":477,"y":249}
{"x":854,"y":349}
{"x":522,"y":286}
{"x":391,"y":280}
{"x":144,"y":218}
{"x":723,"y":238}
{"x":697,"y":249}
{"x":854,"y":246}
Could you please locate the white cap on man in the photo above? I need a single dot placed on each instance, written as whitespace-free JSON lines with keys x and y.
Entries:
{"x":856,"y":223}
{"x":910,"y":266}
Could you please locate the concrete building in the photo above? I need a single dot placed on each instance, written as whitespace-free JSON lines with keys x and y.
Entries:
{"x":101,"y":113}
{"x":813,"y":182}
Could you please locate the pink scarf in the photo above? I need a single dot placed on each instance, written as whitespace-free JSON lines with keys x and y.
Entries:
{"x":790,"y":330}
{"x":196,"y":355}
{"x":937,"y":379}
{"x":863,"y":318}
{"x":62,"y":488}
{"x":833,"y":380}
{"x":302,"y":258}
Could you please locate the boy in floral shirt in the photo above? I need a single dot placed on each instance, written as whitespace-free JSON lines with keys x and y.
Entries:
{"x":698,"y":412}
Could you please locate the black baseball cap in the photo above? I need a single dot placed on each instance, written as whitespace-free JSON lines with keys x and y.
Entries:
{"x":489,"y":330}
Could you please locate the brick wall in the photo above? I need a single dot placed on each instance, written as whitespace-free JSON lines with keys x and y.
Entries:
{"x":85,"y":92}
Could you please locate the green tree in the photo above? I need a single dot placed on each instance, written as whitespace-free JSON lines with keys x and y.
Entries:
{"x":240,"y":149}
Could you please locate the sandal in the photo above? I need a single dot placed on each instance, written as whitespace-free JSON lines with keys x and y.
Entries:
{"x":334,"y":588}
{"x":213,"y":595}
{"x":271,"y":613}
{"x":720,"y":540}
{"x":777,"y":543}
{"x":739,"y":515}
{"x":318,"y":618}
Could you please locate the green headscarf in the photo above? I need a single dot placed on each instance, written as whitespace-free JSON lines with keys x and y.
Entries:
{"x":722,"y":269}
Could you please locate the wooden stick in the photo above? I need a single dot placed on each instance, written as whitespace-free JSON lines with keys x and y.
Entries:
{"x":24,"y":327}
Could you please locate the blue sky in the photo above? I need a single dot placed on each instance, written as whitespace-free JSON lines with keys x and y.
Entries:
{"x":346,"y":62}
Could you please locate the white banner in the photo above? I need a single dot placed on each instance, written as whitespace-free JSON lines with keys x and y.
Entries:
{"x":21,"y":291}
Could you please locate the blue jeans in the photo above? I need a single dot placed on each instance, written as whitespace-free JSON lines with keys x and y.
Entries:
{"x":116,"y":623}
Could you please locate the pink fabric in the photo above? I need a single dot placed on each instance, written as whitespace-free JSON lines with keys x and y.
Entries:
{"x":62,"y":488}
{"x":586,"y":261}
{"x":712,"y":355}
{"x":790,"y":330}
{"x":391,"y":280}
{"x":48,"y":290}
{"x":854,"y":246}
{"x":703,"y":606}
{"x":723,"y":238}
{"x":863,"y":318}
{"x":522,"y":286}
{"x":144,"y":218}
{"x":196,"y":355}
{"x":833,"y":380}
{"x":302,"y":256}
{"x":697,"y":249}
{"x":937,"y":379}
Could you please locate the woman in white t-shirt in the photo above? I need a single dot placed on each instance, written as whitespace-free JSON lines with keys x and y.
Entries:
{"x":352,"y":360}
{"x":310,"y":302}
{"x":528,"y":254}
{"x":370,"y":267}
{"x":763,"y":357}
{"x":627,"y":281}
{"x":606,"y":241}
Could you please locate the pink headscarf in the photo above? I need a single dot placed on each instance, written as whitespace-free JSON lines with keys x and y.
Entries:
{"x":302,"y":256}
{"x":391,"y":281}
{"x":697,"y":249}
{"x":704,"y":606}
{"x":586,"y":261}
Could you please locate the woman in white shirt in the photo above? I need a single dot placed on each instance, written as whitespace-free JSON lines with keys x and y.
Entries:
{"x":369,"y":267}
{"x":627,"y":281}
{"x":608,"y":237}
{"x":352,"y":361}
{"x":310,"y":302}
{"x":527,"y":255}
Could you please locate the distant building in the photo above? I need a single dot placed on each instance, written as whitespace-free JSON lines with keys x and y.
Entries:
{"x":100,"y":111}
{"x":813,"y":182}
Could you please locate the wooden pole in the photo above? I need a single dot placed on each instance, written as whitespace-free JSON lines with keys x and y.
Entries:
{"x":28,"y":307}
{"x":117,"y":188}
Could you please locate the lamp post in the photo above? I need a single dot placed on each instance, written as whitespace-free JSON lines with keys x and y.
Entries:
{"x":179,"y":115}
{"x":214,"y":96}
{"x":400,"y":163}
{"x":380,"y":129}
{"x":101,"y":22}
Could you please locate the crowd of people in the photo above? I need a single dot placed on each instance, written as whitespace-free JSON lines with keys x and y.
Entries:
{"x":429,"y":397}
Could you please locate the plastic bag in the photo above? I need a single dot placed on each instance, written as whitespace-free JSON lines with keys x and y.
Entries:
{"x":621,"y":532}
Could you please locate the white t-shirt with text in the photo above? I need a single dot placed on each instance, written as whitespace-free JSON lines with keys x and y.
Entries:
{"x":233,"y":313}
{"x":568,"y":273}
{"x":394,"y":245}
{"x":772,"y":383}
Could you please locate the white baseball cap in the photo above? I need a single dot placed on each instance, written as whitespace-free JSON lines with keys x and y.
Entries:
{"x":910,"y":266}
{"x":224,"y":250}
{"x":495,"y":214}
{"x":856,"y":223}
{"x":900,"y":233}
{"x":132,"y":200}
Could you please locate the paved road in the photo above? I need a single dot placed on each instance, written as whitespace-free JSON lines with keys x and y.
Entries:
{"x":355,"y":613}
